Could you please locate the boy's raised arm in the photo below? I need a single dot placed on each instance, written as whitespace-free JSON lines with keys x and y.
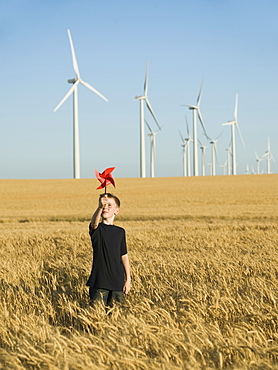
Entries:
{"x":96,"y":216}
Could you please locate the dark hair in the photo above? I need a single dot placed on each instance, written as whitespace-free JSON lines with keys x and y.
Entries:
{"x":110,"y":195}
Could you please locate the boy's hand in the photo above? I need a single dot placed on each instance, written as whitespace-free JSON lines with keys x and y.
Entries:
{"x":127,"y":287}
{"x":103,"y":199}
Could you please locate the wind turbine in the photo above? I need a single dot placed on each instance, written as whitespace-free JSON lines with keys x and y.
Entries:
{"x":152,"y":148}
{"x":196,"y":109}
{"x":229,"y":154}
{"x":73,"y":90}
{"x":258,"y":163}
{"x":203,"y":148}
{"x":213,"y":153}
{"x":142,"y":128}
{"x":185,"y":145}
{"x":224,"y":167}
{"x":268,"y":155}
{"x":233,"y":124}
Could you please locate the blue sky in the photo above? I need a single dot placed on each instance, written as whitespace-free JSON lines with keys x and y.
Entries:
{"x":232,"y":45}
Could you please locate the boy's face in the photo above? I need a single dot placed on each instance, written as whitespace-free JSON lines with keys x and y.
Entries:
{"x":110,"y":208}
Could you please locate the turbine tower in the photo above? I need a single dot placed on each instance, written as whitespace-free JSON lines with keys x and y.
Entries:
{"x":196,"y":110}
{"x":142,"y":127}
{"x":152,"y":136}
{"x":233,"y":124}
{"x":73,"y":90}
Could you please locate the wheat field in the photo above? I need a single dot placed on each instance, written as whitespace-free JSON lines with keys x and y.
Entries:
{"x":204,"y":262}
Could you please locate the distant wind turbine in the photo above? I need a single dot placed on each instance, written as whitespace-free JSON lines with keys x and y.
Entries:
{"x":203,"y":148}
{"x":196,"y":109}
{"x":73,"y":90}
{"x":233,"y":124}
{"x":224,"y":167}
{"x":142,"y":127}
{"x":269,"y":157}
{"x":258,"y":163}
{"x":185,"y":154}
{"x":213,"y":153}
{"x":229,"y":153}
{"x":152,"y":148}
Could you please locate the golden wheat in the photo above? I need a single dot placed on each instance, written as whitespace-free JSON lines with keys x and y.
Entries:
{"x":204,"y":268}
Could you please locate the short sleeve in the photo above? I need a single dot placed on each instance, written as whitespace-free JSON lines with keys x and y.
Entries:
{"x":123,"y":244}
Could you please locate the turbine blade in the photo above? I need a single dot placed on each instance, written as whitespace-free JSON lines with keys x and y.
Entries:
{"x":146,"y":80}
{"x":236,"y":108}
{"x":187,"y":127}
{"x":200,"y":95}
{"x":67,"y":95}
{"x":152,"y":112}
{"x":181,"y":137}
{"x":93,"y":89}
{"x":241,"y":138}
{"x":149,"y":127}
{"x":74,"y":61}
{"x":202,"y":122}
{"x":228,"y":123}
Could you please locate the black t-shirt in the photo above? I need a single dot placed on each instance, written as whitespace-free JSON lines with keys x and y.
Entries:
{"x":109,"y":245}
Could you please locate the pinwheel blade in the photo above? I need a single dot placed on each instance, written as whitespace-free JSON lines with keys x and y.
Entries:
{"x":108,"y":171}
{"x":67,"y":95}
{"x":74,"y":61}
{"x":93,"y":89}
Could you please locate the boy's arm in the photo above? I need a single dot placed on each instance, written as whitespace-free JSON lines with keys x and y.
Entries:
{"x":96,"y":216}
{"x":127,"y":286}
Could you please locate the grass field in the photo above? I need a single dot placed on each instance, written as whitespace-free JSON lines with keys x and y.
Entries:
{"x":204,"y":257}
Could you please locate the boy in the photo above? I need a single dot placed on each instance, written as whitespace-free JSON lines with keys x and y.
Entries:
{"x":110,"y":276}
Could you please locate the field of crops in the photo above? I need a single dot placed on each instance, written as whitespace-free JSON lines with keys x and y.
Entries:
{"x":204,"y":258}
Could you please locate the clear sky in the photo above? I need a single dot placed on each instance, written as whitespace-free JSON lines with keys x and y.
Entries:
{"x":230,"y":44}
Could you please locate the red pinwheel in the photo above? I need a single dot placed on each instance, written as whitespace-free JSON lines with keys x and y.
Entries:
{"x":105,"y":178}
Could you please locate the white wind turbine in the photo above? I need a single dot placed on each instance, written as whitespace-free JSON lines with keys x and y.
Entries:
{"x":269,"y":157}
{"x":142,"y":128}
{"x":233,"y":124}
{"x":152,"y":136}
{"x":189,"y":140}
{"x":229,"y":154}
{"x":196,"y":109}
{"x":73,"y":90}
{"x":224,"y":167}
{"x":203,"y":149}
{"x":185,"y":144}
{"x":258,"y":163}
{"x":213,"y":153}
